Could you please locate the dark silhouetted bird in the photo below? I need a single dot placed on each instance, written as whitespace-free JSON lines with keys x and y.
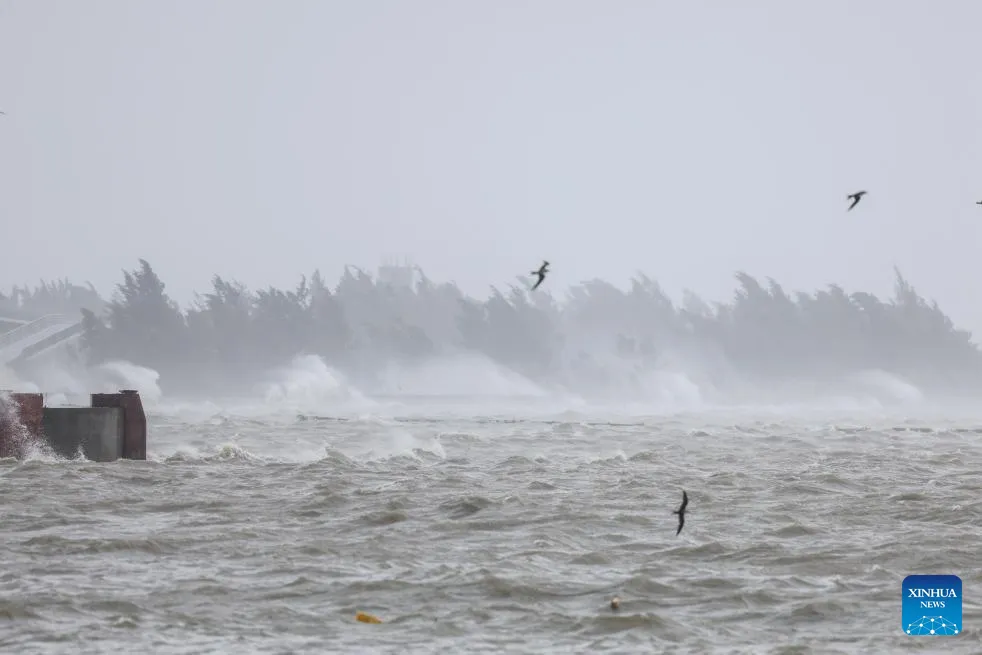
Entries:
{"x":979,"y":202}
{"x":681,"y":511}
{"x":855,"y":197}
{"x":541,"y":273}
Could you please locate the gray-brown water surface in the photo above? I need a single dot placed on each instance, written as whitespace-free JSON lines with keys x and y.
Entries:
{"x":502,"y":532}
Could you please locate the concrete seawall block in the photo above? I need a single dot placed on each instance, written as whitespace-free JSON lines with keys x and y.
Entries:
{"x":134,"y":418}
{"x":98,"y":431}
{"x":114,"y":427}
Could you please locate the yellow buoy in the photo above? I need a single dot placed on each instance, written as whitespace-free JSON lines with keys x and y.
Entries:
{"x":367,"y":618}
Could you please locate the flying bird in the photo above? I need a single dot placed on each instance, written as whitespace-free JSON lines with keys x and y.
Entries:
{"x":855,"y":197}
{"x":541,"y":273}
{"x":681,"y":512}
{"x":979,"y":202}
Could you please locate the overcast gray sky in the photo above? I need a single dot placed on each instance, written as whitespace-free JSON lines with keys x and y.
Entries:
{"x":261,"y":140}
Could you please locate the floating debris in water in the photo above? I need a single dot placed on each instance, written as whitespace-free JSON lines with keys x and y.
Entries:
{"x":367,"y":618}
{"x":615,"y":603}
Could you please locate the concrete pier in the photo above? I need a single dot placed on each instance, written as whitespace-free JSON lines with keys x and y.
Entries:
{"x":96,"y":432}
{"x":113,"y":427}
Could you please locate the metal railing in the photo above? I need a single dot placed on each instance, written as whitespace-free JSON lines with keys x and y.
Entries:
{"x":33,"y":328}
{"x":47,"y":342}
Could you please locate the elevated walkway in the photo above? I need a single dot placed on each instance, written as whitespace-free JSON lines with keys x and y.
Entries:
{"x":7,"y":323}
{"x":29,"y":339}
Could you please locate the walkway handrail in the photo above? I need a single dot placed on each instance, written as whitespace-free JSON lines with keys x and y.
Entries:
{"x":32,"y":328}
{"x":52,"y":339}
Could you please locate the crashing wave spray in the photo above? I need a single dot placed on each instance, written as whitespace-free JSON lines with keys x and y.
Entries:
{"x":308,"y":385}
{"x":10,"y":381}
{"x":15,"y":439}
{"x":126,"y":375}
{"x":466,"y":374}
{"x":12,"y":431}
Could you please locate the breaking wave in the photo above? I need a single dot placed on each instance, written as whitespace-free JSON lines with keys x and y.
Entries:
{"x":469,"y":384}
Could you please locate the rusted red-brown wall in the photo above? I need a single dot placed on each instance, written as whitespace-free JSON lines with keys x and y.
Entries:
{"x":9,"y":428}
{"x":134,"y":420}
{"x":28,"y":415}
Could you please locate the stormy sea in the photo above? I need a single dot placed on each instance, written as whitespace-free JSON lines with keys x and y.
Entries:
{"x":499,"y":522}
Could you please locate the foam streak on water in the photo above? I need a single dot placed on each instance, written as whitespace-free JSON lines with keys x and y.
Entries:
{"x":495,"y":533}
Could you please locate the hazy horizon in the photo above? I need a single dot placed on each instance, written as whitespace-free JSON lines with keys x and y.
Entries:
{"x":363,"y":336}
{"x":686,"y":141}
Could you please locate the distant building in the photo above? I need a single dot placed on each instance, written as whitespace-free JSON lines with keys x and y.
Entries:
{"x":397,"y":275}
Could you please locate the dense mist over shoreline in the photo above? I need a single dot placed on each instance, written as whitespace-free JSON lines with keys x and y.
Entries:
{"x":396,"y":331}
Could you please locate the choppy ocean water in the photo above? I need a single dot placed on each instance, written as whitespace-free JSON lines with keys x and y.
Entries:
{"x":487,"y":527}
